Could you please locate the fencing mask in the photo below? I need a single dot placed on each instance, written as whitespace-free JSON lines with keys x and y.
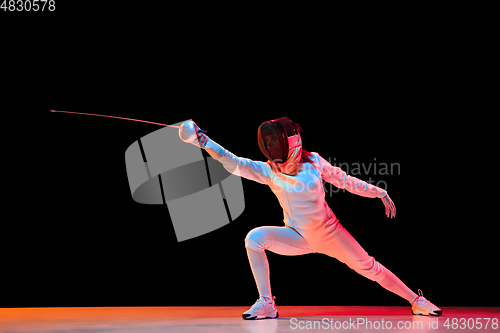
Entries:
{"x":279,"y":140}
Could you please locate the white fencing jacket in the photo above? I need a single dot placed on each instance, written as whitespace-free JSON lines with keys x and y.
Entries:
{"x":302,"y":196}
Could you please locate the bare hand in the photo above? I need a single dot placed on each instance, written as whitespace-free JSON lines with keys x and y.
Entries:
{"x":390,"y":208}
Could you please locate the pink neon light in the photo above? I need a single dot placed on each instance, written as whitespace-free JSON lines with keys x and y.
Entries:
{"x":102,"y":115}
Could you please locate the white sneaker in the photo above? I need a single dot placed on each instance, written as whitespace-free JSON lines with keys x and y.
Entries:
{"x":421,"y":306}
{"x":262,"y":309}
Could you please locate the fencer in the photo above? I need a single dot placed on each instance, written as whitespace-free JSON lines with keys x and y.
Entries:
{"x":296,"y":178}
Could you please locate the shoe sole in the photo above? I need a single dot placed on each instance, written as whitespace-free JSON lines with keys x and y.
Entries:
{"x":433,"y":313}
{"x":248,"y":317}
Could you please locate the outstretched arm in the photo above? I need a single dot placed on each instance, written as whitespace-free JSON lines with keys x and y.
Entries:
{"x":339,"y":178}
{"x":253,"y":170}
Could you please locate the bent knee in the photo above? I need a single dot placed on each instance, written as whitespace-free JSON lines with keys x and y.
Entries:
{"x":256,"y":239}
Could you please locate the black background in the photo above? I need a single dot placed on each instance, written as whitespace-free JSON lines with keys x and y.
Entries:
{"x":77,"y":238}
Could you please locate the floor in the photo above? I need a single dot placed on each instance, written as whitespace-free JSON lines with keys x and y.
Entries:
{"x":228,"y":319}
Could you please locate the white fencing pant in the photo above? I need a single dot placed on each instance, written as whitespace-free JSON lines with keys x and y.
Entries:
{"x":333,"y":240}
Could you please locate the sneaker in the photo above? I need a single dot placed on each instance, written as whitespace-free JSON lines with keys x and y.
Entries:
{"x":421,"y":306}
{"x":262,"y":309}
